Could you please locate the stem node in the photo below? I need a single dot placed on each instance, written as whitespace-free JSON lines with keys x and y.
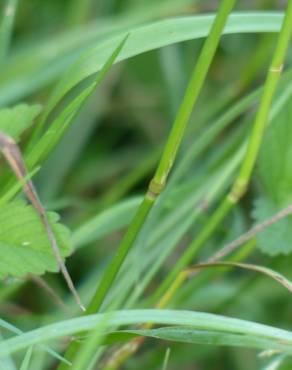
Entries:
{"x":155,"y":188}
{"x":277,"y":69}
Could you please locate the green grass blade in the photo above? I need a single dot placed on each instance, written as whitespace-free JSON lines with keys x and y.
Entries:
{"x":56,"y":130}
{"x":144,"y":38}
{"x":197,"y":320}
{"x":13,"y":329}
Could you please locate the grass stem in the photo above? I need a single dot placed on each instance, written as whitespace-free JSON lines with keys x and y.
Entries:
{"x":168,"y":157}
{"x":241,"y":183}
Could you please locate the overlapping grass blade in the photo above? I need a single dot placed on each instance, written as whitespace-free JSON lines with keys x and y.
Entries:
{"x":212,"y":325}
{"x":143,"y":38}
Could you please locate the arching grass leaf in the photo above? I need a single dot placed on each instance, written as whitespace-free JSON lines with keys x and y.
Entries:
{"x":212,"y":327}
{"x":144,"y":38}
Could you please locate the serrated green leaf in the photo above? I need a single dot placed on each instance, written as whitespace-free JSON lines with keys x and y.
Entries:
{"x":276,"y":238}
{"x":24,"y":244}
{"x":13,"y":121}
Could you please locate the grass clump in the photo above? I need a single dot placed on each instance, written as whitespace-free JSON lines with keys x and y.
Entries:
{"x":202,"y":258}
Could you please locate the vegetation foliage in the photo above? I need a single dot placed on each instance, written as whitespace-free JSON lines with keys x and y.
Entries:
{"x":158,"y":136}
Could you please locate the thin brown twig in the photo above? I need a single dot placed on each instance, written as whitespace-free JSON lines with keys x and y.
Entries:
{"x":191,"y":271}
{"x":231,"y":247}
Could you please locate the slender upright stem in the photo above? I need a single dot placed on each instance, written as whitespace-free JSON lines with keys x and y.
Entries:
{"x":114,"y":266}
{"x":168,"y":157}
{"x":193,"y":90}
{"x":169,"y":153}
{"x":6,"y":26}
{"x":241,"y":183}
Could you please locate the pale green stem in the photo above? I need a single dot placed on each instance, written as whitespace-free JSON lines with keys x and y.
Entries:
{"x":242,"y":181}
